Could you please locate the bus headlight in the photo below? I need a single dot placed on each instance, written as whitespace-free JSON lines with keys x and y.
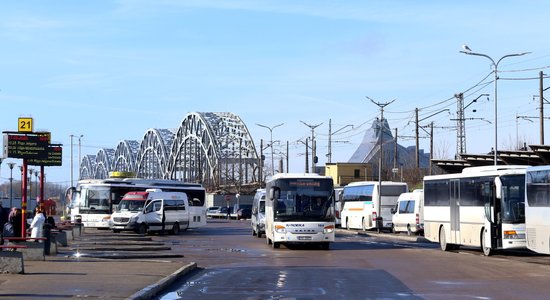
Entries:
{"x":280,"y":229}
{"x":512,"y":234}
{"x":328,"y":229}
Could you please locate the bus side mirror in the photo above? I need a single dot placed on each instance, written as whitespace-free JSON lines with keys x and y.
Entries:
{"x":393,"y":211}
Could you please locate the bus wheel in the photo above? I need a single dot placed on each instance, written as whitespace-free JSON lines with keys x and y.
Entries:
{"x":253,"y":232}
{"x":116,"y":231}
{"x":258,"y":232}
{"x":142,"y":229}
{"x":364,"y":224}
{"x":268,"y":241}
{"x":275,"y":245}
{"x":325,"y":246}
{"x":487,"y":251}
{"x":442,"y":240}
{"x":176,"y":229}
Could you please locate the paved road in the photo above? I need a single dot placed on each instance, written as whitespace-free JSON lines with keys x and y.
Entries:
{"x":236,"y":265}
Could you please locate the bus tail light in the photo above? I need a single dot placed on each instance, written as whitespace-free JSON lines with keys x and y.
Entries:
{"x":280,"y":229}
{"x":328,"y":229}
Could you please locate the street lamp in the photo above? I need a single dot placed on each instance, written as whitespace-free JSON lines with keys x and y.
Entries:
{"x":11,"y":165}
{"x":271,"y":143}
{"x":495,"y":65}
{"x":79,"y":156}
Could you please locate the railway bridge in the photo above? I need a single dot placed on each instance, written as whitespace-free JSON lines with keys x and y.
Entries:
{"x":211,"y":148}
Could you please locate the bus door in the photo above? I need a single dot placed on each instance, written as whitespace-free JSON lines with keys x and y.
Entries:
{"x":492,"y":205}
{"x":455,"y":211}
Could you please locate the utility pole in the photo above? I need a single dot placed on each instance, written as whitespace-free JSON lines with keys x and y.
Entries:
{"x":380,"y":133}
{"x":417,"y":154}
{"x":395,"y":152}
{"x":261,"y":163}
{"x":287,"y":160}
{"x":307,"y":157}
{"x":541,"y":99}
{"x":431,"y":145}
{"x":460,"y":132}
{"x":313,"y":152}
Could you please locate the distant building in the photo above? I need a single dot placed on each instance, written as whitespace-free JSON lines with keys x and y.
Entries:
{"x":394,"y":155}
{"x":344,"y":173}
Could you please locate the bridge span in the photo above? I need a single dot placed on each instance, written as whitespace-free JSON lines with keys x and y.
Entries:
{"x":211,"y":148}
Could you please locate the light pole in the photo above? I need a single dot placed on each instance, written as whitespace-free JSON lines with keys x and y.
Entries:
{"x":495,"y":65}
{"x":271,"y":143}
{"x":11,"y":165}
{"x":79,"y":158}
{"x":71,"y":136}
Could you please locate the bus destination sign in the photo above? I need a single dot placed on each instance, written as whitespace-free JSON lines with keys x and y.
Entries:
{"x":26,"y":146}
{"x":54,"y":157}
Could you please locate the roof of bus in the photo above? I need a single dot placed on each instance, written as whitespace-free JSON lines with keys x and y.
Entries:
{"x":376,"y":182}
{"x":482,"y":171}
{"x":299,"y":175}
{"x":142,"y":182}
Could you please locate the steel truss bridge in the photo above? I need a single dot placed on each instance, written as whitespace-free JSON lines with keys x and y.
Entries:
{"x":214,"y":149}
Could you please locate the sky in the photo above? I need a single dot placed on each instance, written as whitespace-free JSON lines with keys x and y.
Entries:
{"x":111,"y":70}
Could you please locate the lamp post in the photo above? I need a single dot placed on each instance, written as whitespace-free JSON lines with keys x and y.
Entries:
{"x":11,"y":165}
{"x":271,"y":144}
{"x":495,"y":65}
{"x":71,"y":136}
{"x":79,"y":156}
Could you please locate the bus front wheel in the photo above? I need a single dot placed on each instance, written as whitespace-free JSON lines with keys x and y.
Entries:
{"x":142,"y":229}
{"x":443,"y":241}
{"x":487,"y":251}
{"x":176,"y":229}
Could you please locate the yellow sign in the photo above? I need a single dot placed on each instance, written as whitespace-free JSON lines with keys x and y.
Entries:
{"x":24,"y":124}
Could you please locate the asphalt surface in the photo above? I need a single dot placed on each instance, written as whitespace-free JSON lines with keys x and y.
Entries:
{"x":88,"y":268}
{"x":100,"y":265}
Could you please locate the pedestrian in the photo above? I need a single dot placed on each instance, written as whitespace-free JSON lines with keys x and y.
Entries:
{"x":163,"y":220}
{"x":37,"y":223}
{"x":16,"y":217}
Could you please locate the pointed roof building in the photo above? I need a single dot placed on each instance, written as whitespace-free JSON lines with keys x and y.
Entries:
{"x":369,"y":149}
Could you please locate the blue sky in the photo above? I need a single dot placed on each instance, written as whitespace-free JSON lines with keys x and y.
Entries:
{"x":110,"y":70}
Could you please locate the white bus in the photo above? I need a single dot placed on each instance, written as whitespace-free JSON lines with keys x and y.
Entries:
{"x":93,"y":200}
{"x":299,"y":208}
{"x":360,"y":204}
{"x":480,"y":207}
{"x":537,"y":209}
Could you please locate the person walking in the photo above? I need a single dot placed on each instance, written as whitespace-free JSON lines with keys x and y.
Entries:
{"x":37,"y":223}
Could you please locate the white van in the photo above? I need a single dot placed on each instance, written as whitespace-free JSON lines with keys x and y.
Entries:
{"x":408,"y":213}
{"x":170,"y":208}
{"x":258,"y":213}
{"x":125,"y":214}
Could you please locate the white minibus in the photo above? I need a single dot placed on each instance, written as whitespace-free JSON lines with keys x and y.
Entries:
{"x":257,"y":218}
{"x":408,"y":214}
{"x":165,"y":212}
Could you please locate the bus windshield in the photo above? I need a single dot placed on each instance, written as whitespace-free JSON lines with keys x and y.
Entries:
{"x":130,"y":205}
{"x":304,"y":200}
{"x":513,"y":198}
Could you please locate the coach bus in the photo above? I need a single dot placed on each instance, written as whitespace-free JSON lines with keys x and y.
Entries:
{"x":480,"y":207}
{"x":299,"y":208}
{"x":537,"y":209}
{"x":93,"y":201}
{"x":361,"y":207}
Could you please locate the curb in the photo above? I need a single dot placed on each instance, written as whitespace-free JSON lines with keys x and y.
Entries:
{"x":153,"y":289}
{"x":418,"y":239}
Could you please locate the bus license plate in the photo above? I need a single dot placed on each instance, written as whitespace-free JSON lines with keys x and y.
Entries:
{"x":304,"y":238}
